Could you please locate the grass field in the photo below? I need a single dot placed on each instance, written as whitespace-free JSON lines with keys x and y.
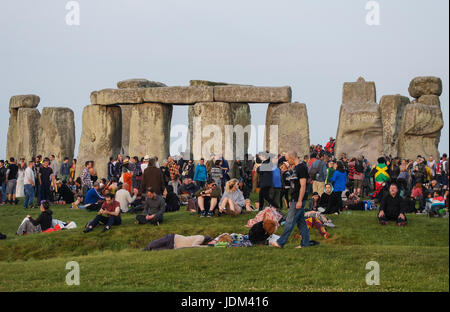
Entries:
{"x":415,"y":258}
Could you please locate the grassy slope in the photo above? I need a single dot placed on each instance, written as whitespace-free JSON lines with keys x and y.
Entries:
{"x":415,"y":258}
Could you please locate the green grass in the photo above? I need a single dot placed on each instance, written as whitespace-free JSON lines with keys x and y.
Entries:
{"x":415,"y":258}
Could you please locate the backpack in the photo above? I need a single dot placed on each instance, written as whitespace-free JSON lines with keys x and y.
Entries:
{"x":359,"y":167}
{"x":192,"y":205}
{"x":314,"y":170}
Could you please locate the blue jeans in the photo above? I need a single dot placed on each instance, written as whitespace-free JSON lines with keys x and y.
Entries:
{"x":29,"y":195}
{"x":295,"y":216}
{"x":4,"y":192}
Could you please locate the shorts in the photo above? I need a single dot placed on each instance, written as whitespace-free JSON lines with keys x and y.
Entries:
{"x":357,"y":184}
{"x":11,"y":186}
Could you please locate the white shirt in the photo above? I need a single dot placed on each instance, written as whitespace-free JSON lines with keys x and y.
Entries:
{"x":29,"y":175}
{"x":143,"y":167}
{"x":124,"y":199}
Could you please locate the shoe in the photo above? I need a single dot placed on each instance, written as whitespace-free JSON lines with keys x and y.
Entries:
{"x":329,"y":224}
{"x":107,"y":228}
{"x":210,"y":214}
{"x":384,"y":222}
{"x":219,"y":213}
{"x":203,"y":214}
{"x":313,"y":243}
{"x":88,"y":229}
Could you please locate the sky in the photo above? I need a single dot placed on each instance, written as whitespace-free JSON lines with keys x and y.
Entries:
{"x":312,"y":46}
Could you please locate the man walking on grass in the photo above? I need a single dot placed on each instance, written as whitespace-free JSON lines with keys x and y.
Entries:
{"x":296,"y":213}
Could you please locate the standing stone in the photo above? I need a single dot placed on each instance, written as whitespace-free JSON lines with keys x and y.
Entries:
{"x":23,"y":133}
{"x":360,"y":130}
{"x":241,"y":117}
{"x":101,"y":137}
{"x":421,"y":131}
{"x":425,"y":86}
{"x":391,"y":109}
{"x":150,"y":130}
{"x":293,"y":128}
{"x":126,"y":117}
{"x":57,"y":133}
{"x":251,"y":94}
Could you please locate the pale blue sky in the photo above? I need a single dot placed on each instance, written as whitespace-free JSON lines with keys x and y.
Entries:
{"x":313,"y":46}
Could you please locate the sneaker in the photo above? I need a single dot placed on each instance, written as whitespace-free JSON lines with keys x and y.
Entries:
{"x":329,"y":224}
{"x":210,"y":214}
{"x":384,"y":222}
{"x":203,"y":214}
{"x":107,"y":228}
{"x":88,"y":229}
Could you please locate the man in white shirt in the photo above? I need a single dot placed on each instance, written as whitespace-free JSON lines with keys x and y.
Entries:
{"x":28,"y":185}
{"x":124,"y":198}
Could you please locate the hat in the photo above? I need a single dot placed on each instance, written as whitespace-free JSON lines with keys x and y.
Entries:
{"x":146,"y":157}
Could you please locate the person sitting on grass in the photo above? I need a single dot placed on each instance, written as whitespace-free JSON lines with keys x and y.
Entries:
{"x":175,"y":241}
{"x":261,"y":231}
{"x":437,"y":205}
{"x":64,"y":194}
{"x":42,"y":223}
{"x":93,"y":200}
{"x":232,"y":199}
{"x":172,"y":200}
{"x":314,"y":202}
{"x":208,"y":197}
{"x":391,"y":208}
{"x":154,"y":207}
{"x":109,"y":214}
{"x":124,"y":198}
{"x":329,"y":201}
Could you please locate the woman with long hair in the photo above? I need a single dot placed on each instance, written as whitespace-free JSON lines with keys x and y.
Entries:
{"x":232,"y":199}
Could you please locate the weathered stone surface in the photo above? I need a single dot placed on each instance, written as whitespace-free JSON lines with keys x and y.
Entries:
{"x":117,"y":96}
{"x":178,"y":95}
{"x":293,"y":128}
{"x":432,"y":100}
{"x":427,"y":85}
{"x":250,"y":94}
{"x":25,"y":101}
{"x":22,"y":134}
{"x":150,"y":130}
{"x":421,"y":131}
{"x":197,"y":83}
{"x":391,"y":109}
{"x":57,"y":133}
{"x":208,"y":132}
{"x":126,"y":117}
{"x":139,"y":83}
{"x":360,"y":131}
{"x":101,"y":137}
{"x":359,"y":92}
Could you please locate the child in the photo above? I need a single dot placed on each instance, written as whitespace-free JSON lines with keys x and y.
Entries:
{"x":417,"y":195}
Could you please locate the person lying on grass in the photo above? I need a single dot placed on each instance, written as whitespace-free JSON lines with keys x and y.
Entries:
{"x":261,"y":231}
{"x":109,"y":214}
{"x":232,"y":199}
{"x":154,"y":208}
{"x":42,"y":223}
{"x":175,"y":241}
{"x":391,"y":208}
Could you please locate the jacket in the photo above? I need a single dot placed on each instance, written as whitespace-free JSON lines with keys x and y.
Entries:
{"x":200,"y":173}
{"x":44,"y":220}
{"x":339,"y":180}
{"x":152,"y":178}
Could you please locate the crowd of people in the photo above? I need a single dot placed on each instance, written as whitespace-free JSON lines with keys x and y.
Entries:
{"x":321,"y":182}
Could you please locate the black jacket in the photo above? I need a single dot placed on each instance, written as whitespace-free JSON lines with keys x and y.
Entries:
{"x":257,"y":234}
{"x":265,"y":174}
{"x":44,"y":220}
{"x":392,"y":206}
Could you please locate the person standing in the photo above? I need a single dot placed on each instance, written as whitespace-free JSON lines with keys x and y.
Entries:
{"x":37,"y":183}
{"x":152,"y":177}
{"x":11,"y":181}
{"x":64,"y":170}
{"x":3,"y":180}
{"x":28,"y":185}
{"x":86,"y":182}
{"x":73,"y":169}
{"x":200,"y":173}
{"x":20,"y":176}
{"x":54,"y":165}
{"x":46,"y":178}
{"x":296,"y":213}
